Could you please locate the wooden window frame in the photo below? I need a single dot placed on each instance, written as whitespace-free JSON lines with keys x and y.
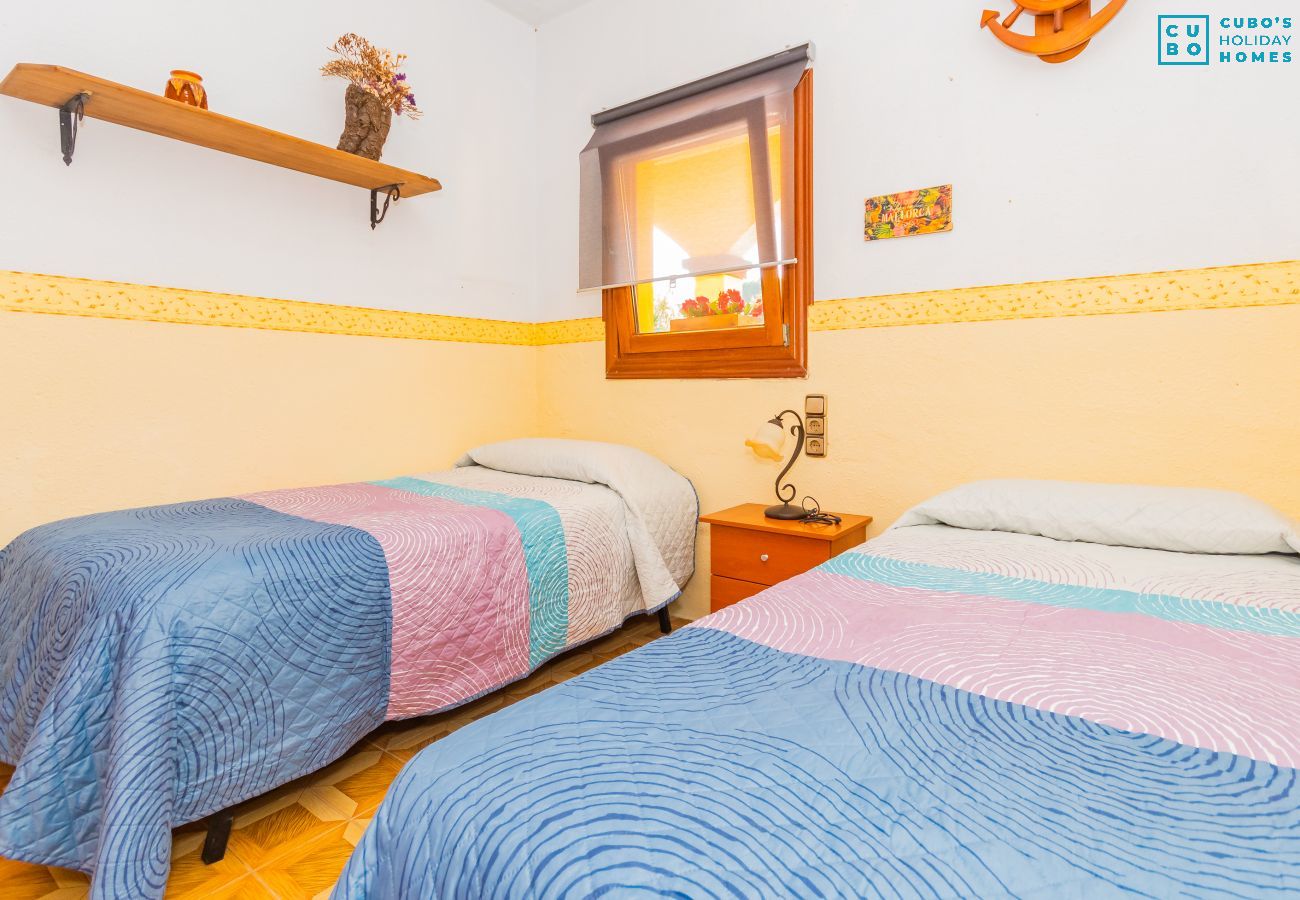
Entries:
{"x":731,"y":353}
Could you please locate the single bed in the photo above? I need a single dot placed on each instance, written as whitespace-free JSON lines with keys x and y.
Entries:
{"x":978,"y":703}
{"x":158,"y":665}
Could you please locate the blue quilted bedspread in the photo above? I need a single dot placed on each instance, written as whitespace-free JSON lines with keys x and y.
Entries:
{"x":157,"y":665}
{"x":161,"y":664}
{"x":802,"y":757}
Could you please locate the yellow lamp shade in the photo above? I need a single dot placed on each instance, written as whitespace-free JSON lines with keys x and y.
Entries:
{"x":768,"y":440}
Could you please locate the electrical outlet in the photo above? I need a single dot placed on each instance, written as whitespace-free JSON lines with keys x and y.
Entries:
{"x":816,"y":446}
{"x":816,"y":425}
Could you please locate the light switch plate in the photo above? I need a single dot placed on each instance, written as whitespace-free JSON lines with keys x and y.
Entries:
{"x":814,"y":405}
{"x":816,"y":446}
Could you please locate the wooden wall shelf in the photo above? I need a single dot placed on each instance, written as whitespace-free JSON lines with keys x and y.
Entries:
{"x":112,"y":102}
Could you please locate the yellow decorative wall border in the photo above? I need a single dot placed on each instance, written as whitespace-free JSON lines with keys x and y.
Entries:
{"x":1263,"y":284}
{"x":1260,"y":284}
{"x":570,"y":331}
{"x":59,"y":295}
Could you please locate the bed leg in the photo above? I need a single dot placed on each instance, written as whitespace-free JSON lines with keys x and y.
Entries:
{"x":214,"y":845}
{"x":665,"y":623}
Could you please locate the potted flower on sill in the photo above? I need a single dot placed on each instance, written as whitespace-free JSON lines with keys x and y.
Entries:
{"x":376,"y":90}
{"x":728,"y":311}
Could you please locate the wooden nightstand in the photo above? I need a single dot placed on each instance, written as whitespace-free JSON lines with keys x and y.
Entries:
{"x":751,"y":552}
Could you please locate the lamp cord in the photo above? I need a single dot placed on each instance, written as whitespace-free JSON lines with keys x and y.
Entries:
{"x":815,"y":514}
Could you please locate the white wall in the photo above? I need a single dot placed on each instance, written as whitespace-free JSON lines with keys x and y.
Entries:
{"x":134,"y":207}
{"x":1107,"y":164}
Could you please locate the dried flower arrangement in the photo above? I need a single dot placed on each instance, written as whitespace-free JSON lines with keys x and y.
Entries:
{"x":729,"y":301}
{"x":373,"y":70}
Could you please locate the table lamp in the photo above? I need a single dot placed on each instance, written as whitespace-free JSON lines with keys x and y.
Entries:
{"x":767,"y":443}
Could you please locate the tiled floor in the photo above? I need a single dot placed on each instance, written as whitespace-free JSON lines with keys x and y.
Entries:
{"x":294,"y":841}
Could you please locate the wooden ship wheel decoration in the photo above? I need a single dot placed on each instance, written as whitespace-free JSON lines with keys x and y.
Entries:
{"x":1062,"y":28}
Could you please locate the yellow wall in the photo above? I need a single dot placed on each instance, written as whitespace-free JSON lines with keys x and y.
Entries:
{"x":152,"y":405}
{"x":1199,"y":397}
{"x":101,"y":414}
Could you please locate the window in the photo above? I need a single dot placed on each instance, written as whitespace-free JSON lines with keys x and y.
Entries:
{"x":696,"y":226}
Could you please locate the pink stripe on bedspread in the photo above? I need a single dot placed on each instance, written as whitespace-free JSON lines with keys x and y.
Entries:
{"x":459,"y":587}
{"x":1221,"y":689}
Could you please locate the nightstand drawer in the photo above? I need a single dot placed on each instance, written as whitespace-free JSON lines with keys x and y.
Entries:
{"x":762,"y":557}
{"x":725,"y":591}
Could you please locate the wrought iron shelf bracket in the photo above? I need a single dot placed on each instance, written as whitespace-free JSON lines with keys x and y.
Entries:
{"x":392,"y":193}
{"x":70,"y":116}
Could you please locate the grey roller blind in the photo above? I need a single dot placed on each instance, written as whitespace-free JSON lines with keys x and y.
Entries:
{"x":695,"y":181}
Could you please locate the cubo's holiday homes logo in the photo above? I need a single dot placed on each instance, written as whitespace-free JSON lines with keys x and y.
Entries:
{"x":1183,"y":40}
{"x":1198,"y":40}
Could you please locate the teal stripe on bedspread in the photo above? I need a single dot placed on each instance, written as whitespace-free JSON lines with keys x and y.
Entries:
{"x":545,"y":555}
{"x":1212,"y":613}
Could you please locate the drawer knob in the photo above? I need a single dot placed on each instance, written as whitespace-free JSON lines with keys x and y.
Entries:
{"x":762,"y":557}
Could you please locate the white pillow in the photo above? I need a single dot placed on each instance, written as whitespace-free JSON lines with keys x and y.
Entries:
{"x":1188,"y":520}
{"x":640,"y":477}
